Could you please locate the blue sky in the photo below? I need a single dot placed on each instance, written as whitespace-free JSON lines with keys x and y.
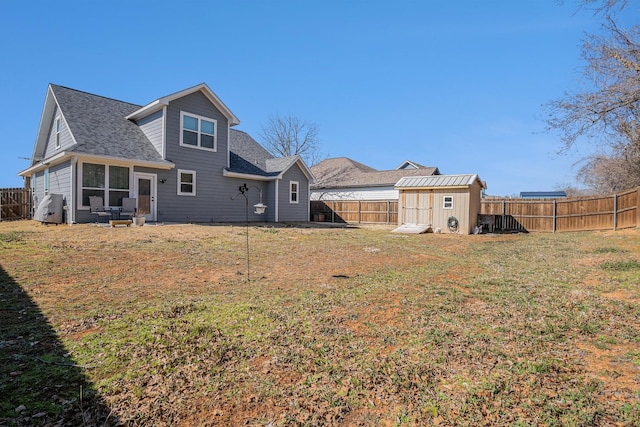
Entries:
{"x":459,"y":85}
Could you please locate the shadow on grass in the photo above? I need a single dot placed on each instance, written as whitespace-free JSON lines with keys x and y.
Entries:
{"x":40,"y":385}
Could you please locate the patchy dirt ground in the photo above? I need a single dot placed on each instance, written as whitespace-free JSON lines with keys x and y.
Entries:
{"x":336,"y":326}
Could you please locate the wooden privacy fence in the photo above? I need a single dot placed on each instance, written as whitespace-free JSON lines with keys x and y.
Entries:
{"x":610,"y":212}
{"x":15,"y":203}
{"x":355,"y":211}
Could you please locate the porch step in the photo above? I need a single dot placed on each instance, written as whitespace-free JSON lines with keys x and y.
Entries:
{"x":413,"y":229}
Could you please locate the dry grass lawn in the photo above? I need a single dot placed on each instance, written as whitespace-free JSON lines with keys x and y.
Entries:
{"x":158,"y":325}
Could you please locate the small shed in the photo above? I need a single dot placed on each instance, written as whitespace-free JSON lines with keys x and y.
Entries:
{"x":445,"y":203}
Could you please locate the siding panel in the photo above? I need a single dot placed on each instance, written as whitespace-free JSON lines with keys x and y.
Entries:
{"x":294,"y":211}
{"x":66,"y":141}
{"x":212,"y":202}
{"x":152,"y":128}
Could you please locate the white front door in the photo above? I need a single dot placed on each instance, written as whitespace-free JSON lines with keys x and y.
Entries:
{"x":144,"y":189}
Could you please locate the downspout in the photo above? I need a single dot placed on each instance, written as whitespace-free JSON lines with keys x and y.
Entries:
{"x":308,"y":200}
{"x":164,"y":133}
{"x":71,"y":211}
{"x":277,"y":199}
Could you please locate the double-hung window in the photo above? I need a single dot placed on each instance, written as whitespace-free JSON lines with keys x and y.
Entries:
{"x":186,"y":183}
{"x":198,"y":132}
{"x":293,"y":191}
{"x":106,"y":181}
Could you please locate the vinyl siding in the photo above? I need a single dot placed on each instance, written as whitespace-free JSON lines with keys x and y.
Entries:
{"x":60,"y":183}
{"x":66,"y":141}
{"x":152,"y":126}
{"x":37,"y":181}
{"x":212,"y":200}
{"x":294,"y":211}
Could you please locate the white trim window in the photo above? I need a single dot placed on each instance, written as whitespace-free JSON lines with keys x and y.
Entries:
{"x":186,"y":183}
{"x":294,"y":191}
{"x":110,"y":182}
{"x":198,"y":132}
{"x":57,"y":130}
{"x":447,"y":202}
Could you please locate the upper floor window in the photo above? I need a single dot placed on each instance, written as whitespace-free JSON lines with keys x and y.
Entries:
{"x":447,"y":202}
{"x":293,"y":192}
{"x":198,"y":132}
{"x":186,"y":183}
{"x":58,"y":132}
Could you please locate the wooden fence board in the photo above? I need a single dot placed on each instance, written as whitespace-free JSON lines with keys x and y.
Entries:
{"x":607,"y":212}
{"x":356,"y":211}
{"x":15,"y":204}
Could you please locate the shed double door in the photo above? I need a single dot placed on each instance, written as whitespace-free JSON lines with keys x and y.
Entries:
{"x":417,"y":207}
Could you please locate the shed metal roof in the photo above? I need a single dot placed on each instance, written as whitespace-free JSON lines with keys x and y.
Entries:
{"x":438,"y":181}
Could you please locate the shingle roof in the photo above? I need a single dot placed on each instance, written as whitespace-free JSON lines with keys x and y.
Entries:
{"x":343,"y":172}
{"x":249,"y":157}
{"x":99,"y":126}
{"x":436,"y":181}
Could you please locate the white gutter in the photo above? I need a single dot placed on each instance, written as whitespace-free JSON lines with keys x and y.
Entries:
{"x":230,"y":174}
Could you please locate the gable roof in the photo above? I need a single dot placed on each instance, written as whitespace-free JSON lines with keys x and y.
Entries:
{"x":160,"y":103}
{"x":105,"y":127}
{"x":408,"y":164}
{"x":342,"y":172}
{"x":439,"y":181}
{"x":112,"y":134}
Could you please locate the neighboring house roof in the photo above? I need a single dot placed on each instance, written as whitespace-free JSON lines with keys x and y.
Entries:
{"x":342,"y":172}
{"x":408,"y":164}
{"x":439,"y":181}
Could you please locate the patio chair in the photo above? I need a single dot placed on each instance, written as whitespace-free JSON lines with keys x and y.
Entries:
{"x":128,"y":208}
{"x":96,"y":207}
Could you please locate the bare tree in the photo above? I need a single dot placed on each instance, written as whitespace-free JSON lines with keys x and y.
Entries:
{"x":612,"y":172}
{"x":289,"y":136}
{"x":607,"y":112}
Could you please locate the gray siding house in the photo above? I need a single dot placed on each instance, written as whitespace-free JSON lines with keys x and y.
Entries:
{"x":178,"y":156}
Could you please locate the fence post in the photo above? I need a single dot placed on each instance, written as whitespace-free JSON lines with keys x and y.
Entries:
{"x":359,"y":210}
{"x":333,"y":211}
{"x":504,"y":214}
{"x":638,"y":209}
{"x":555,"y":214}
{"x":615,"y":212}
{"x":388,"y":211}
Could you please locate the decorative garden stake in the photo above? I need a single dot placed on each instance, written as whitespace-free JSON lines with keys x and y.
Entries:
{"x":260,"y":209}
